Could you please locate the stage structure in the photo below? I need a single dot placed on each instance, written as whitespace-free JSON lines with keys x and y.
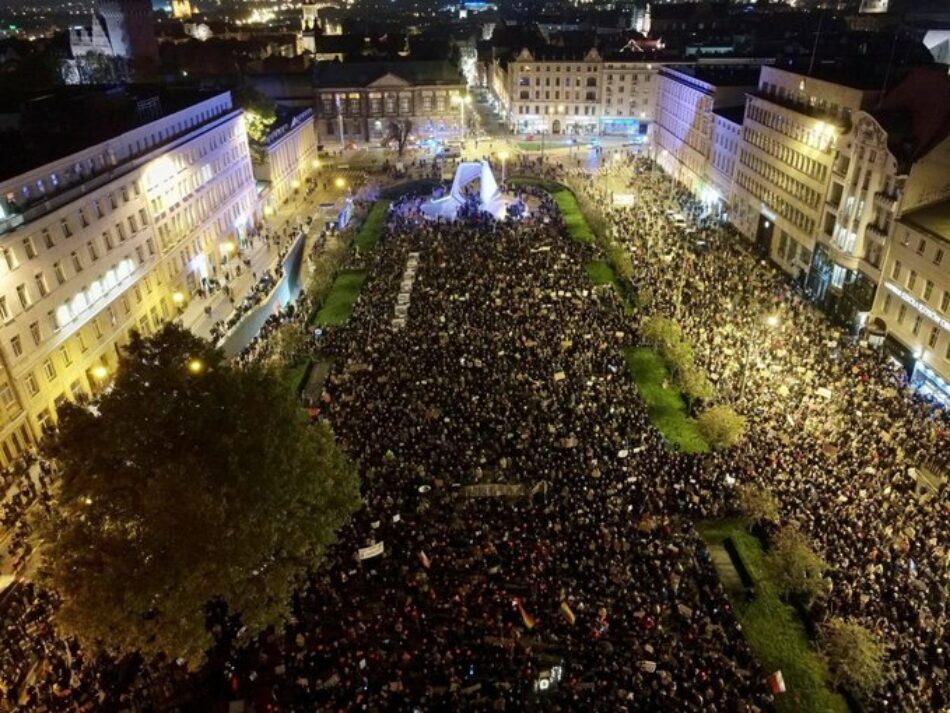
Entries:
{"x":488,"y":199}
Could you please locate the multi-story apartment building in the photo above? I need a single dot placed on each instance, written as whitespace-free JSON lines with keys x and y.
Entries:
{"x":914,"y":302}
{"x":577,"y":93}
{"x":357,"y":101}
{"x":784,"y":169}
{"x":287,"y":156}
{"x":726,"y":135}
{"x":555,"y":94}
{"x":108,"y":239}
{"x":687,"y":100}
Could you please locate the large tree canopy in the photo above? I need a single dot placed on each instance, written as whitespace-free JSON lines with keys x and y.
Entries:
{"x":190,"y":480}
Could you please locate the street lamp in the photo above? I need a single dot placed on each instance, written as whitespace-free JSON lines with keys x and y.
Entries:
{"x":340,"y":182}
{"x":504,"y":157}
{"x":178,"y":297}
{"x":315,"y":164}
{"x":196,"y":366}
{"x":461,"y":101}
{"x":99,"y":372}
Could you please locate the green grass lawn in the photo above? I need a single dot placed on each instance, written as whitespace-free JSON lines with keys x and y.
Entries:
{"x":774,"y":632}
{"x":665,"y":404}
{"x":601,"y":273}
{"x":339,"y":303}
{"x":294,"y":375}
{"x":574,"y":219}
{"x":372,"y":227}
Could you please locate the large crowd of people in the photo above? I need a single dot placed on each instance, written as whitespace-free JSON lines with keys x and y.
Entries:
{"x":834,"y":432}
{"x":527,"y":536}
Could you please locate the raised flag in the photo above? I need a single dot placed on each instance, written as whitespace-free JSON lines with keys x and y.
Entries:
{"x":529,"y":621}
{"x":777,"y":683}
{"x":568,"y":614}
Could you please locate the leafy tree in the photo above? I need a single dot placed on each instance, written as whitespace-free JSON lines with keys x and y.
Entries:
{"x":678,"y":354}
{"x":757,"y":503}
{"x":694,"y":383}
{"x":721,"y":426}
{"x":291,"y":343}
{"x":855,"y":655}
{"x":191,"y":480}
{"x":660,"y":330}
{"x":399,"y":133}
{"x":260,"y":111}
{"x":645,"y":297}
{"x":620,"y":259}
{"x":796,"y":567}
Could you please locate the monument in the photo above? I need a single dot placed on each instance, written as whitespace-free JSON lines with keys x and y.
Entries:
{"x":488,"y":199}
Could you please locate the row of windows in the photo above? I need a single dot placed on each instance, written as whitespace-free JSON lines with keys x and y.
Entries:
{"x":777,"y":149}
{"x":813,"y":137}
{"x":82,"y":170}
{"x":912,"y":282}
{"x":64,"y":270}
{"x":588,"y":96}
{"x":780,"y":179}
{"x":676,"y":121}
{"x":557,"y":68}
{"x":84,"y":217}
{"x":48,"y":372}
{"x":776,"y":203}
{"x":822,"y":104}
{"x":933,"y":336}
{"x":103,"y":287}
{"x":526,"y":82}
{"x":587,"y":110}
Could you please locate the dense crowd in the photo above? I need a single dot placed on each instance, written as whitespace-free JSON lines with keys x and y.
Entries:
{"x":584,"y":586}
{"x":835,"y":432}
{"x":509,"y":370}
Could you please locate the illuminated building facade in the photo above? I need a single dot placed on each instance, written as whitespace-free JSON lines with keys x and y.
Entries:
{"x":913,"y":303}
{"x":688,"y":128}
{"x":287,"y":156}
{"x":576,"y":93}
{"x":105,"y":240}
{"x":785,"y":163}
{"x":357,"y":101}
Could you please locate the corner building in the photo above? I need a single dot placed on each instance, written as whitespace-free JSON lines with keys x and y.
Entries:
{"x":97,"y":241}
{"x":786,"y":158}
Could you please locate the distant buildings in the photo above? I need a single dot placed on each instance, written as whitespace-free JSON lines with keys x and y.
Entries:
{"x":98,"y":237}
{"x":357,"y":101}
{"x":575,"y":93}
{"x":119,"y":38}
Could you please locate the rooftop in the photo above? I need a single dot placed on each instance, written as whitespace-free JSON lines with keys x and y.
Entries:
{"x":54,"y":125}
{"x":933,"y":219}
{"x":361,"y":74}
{"x":735,"y":114}
{"x":916,"y":114}
{"x":742,"y":75}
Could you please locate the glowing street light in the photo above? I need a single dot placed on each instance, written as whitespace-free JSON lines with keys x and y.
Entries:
{"x":178,"y":297}
{"x":227,"y":248}
{"x":340,"y":182}
{"x":772,"y":320}
{"x":196,"y":366}
{"x":99,"y":372}
{"x":461,"y":101}
{"x":295,"y":184}
{"x":315,"y":163}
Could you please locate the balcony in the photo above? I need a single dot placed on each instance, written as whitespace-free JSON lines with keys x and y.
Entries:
{"x":887,"y":200}
{"x":875,"y":231}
